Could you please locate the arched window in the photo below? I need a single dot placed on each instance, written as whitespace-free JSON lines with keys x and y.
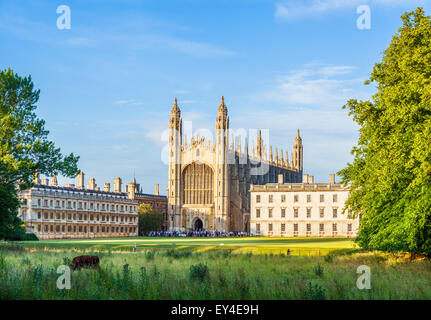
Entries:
{"x":197,"y":184}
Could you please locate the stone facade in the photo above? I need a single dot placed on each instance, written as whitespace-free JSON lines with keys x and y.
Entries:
{"x":54,"y":212}
{"x":208,"y":184}
{"x":301,"y":210}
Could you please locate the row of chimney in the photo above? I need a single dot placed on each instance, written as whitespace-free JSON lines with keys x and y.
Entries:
{"x":308,"y":178}
{"x":130,"y":188}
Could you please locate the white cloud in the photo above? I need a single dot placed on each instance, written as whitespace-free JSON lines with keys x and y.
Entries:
{"x":131,"y":102}
{"x":293,"y":10}
{"x":281,"y":12}
{"x":314,"y":85}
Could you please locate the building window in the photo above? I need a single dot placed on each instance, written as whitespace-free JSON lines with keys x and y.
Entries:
{"x":295,"y":212}
{"x":295,"y":227}
{"x":334,"y":227}
{"x":269,"y":212}
{"x":349,"y":227}
{"x":270,"y":227}
{"x":308,"y":212}
{"x":283,"y":212}
{"x":322,"y":198}
{"x":258,"y":227}
{"x":322,"y":212}
{"x":283,"y":227}
{"x":295,"y":198}
{"x":271,"y":198}
{"x":334,"y":198}
{"x":258,"y":213}
{"x":334,"y":212}
{"x":308,"y":227}
{"x":308,"y":197}
{"x":322,"y":227}
{"x":283,"y":198}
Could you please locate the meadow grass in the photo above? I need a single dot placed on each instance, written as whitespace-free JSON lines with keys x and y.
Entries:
{"x":297,"y":246}
{"x":28,"y":271}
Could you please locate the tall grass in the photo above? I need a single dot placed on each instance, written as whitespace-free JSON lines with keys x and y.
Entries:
{"x":180,"y":274}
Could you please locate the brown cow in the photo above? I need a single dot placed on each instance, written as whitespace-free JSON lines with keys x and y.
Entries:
{"x":85,"y":262}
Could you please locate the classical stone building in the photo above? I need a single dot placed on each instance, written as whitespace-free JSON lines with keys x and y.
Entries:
{"x":208,"y":186}
{"x":55,"y":212}
{"x":301,"y":209}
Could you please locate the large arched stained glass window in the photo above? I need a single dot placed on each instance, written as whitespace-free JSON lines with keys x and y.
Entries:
{"x":197,"y":184}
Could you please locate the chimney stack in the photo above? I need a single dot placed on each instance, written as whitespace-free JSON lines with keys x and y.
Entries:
{"x":36,"y":179}
{"x":305,"y":178}
{"x":91,"y":184}
{"x":156,"y":189}
{"x":107,"y":187}
{"x":310,"y":179}
{"x":332,"y":178}
{"x":80,"y":184}
{"x":54,"y":180}
{"x":131,"y":190}
{"x":117,"y":185}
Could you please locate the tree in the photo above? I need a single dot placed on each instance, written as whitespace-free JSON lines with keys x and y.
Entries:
{"x":149,"y":220}
{"x":24,"y":147}
{"x":391,"y":170}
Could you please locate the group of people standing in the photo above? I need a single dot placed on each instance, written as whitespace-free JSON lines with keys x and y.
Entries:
{"x":197,"y":234}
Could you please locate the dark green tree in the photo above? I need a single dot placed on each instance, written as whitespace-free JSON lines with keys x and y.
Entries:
{"x":391,"y":170}
{"x":24,"y":147}
{"x":149,"y":220}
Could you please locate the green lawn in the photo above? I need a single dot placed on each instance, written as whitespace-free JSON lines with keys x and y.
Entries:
{"x":204,"y":269}
{"x":297,"y":246}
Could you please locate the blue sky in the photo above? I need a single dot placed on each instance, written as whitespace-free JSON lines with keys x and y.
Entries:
{"x":108,"y":84}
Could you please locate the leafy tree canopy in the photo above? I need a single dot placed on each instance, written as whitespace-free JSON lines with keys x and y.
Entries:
{"x":149,"y":219}
{"x":391,"y":170}
{"x":24,"y":146}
